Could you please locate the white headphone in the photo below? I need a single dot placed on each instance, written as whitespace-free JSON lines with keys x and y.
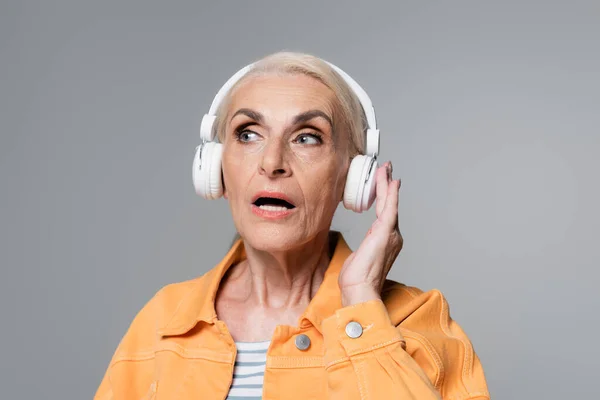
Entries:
{"x":359,"y":192}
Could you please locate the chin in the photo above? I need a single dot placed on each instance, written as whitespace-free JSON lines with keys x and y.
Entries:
{"x":273,"y":237}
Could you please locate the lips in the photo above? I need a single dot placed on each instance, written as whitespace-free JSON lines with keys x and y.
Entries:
{"x":272,"y":205}
{"x":273,"y":201}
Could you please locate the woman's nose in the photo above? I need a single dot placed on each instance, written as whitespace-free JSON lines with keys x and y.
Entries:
{"x":273,"y":163}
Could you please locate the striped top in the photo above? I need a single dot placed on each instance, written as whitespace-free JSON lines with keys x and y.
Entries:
{"x":249,"y":371}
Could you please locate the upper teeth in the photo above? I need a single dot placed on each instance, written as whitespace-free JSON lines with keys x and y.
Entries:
{"x":272,"y":208}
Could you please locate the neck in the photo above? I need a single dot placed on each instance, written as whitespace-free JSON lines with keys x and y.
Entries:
{"x":287,"y":279}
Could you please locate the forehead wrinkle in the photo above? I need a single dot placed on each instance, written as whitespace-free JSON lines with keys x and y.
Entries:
{"x":328,"y":103}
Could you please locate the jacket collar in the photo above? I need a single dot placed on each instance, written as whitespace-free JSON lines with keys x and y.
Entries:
{"x":199,"y":303}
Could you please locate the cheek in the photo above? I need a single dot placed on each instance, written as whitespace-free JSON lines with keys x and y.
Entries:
{"x":239,"y":168}
{"x":231,"y":170}
{"x":325,"y":189}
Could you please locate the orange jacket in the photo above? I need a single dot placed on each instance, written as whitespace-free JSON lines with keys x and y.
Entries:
{"x":410,"y":348}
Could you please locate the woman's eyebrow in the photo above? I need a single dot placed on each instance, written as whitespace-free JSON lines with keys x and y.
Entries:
{"x":308,"y":115}
{"x":298,"y":119}
{"x":255,"y":115}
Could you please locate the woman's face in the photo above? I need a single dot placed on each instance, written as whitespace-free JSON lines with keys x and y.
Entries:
{"x":284,"y":168}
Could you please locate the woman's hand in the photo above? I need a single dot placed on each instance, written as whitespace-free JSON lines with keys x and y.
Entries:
{"x":363,"y":274}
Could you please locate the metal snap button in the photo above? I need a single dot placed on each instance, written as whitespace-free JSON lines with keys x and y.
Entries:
{"x":302,"y":342}
{"x":354,"y":329}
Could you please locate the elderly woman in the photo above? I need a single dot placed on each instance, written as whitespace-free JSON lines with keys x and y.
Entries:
{"x":291,"y":312}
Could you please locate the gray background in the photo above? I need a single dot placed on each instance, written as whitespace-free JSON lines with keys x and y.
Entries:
{"x":488,"y":110}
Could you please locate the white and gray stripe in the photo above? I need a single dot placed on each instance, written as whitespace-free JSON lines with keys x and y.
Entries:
{"x":249,"y":371}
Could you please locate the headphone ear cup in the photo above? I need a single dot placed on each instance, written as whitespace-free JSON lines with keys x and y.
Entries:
{"x":206,"y":170}
{"x":359,"y":192}
{"x":353,"y":183}
{"x":369,"y":192}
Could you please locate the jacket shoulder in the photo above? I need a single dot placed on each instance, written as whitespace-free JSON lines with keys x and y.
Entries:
{"x":170,"y":297}
{"x":131,"y":368}
{"x":405,"y":304}
{"x":142,"y":334}
{"x":436,"y":342}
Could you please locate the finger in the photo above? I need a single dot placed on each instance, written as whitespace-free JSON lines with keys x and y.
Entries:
{"x":381,"y":187}
{"x":397,"y":225}
{"x":389,"y":215}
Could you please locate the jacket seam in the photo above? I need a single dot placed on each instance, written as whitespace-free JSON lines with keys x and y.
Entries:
{"x":428,"y":347}
{"x":194,"y":357}
{"x":375,"y":347}
{"x":335,"y":362}
{"x":362,"y":351}
{"x":360,"y":376}
{"x":135,"y":357}
{"x":467,"y":350}
{"x":286,"y":362}
{"x":151,"y":354}
{"x":471,"y":396}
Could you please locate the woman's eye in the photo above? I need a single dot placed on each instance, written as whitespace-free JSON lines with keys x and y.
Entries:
{"x":307,"y":138}
{"x":247,"y":136}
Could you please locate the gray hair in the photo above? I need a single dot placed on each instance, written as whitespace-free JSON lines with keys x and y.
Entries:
{"x":351,"y":116}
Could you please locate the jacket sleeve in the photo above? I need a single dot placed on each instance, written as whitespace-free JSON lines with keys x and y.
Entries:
{"x":426,"y":355}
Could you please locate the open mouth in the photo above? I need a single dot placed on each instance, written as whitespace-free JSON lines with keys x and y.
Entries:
{"x":273,"y":204}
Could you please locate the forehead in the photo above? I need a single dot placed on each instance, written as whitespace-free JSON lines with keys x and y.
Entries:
{"x":288,"y":94}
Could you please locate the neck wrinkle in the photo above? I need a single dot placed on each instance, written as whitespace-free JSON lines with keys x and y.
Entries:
{"x":287,"y":280}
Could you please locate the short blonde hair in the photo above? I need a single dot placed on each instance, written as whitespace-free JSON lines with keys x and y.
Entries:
{"x":351,"y":116}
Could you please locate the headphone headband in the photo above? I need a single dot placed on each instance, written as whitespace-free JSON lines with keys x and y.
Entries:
{"x":372,"y":145}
